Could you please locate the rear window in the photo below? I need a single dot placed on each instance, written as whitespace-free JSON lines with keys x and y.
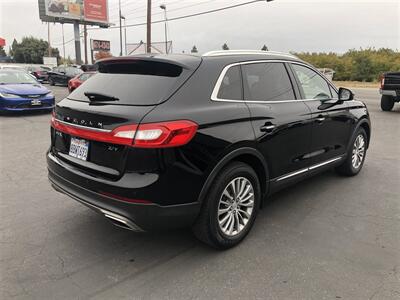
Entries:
{"x":135,"y":82}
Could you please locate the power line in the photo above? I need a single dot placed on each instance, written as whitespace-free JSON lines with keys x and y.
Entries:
{"x":179,"y":8}
{"x":185,"y":16}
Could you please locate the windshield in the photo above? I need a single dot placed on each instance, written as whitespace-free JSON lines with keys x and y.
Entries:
{"x":8,"y":77}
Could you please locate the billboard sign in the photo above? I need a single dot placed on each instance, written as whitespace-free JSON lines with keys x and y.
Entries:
{"x":95,"y":10}
{"x":84,"y":11}
{"x":98,"y":45}
{"x":68,"y":9}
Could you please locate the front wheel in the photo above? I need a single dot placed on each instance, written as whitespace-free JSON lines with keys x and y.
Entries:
{"x":387,"y":103}
{"x":230,"y":207}
{"x":51,"y":82}
{"x":355,"y":156}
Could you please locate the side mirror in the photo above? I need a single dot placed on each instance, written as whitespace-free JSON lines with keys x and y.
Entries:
{"x":345,"y":94}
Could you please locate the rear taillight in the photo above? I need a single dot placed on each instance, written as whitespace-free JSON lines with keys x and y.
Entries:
{"x":382,"y":81}
{"x":151,"y":135}
{"x":165,"y":134}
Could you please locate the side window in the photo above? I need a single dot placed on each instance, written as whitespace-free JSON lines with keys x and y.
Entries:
{"x":313,"y":85}
{"x":267,"y":82}
{"x":231,"y":85}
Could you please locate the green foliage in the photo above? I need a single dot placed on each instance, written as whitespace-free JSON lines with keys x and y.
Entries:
{"x":194,"y":49}
{"x":31,"y":50}
{"x":66,"y":61}
{"x":225,"y":47}
{"x":2,"y":51}
{"x":357,"y":65}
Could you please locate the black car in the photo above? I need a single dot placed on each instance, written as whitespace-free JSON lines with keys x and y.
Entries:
{"x":165,"y":141}
{"x":61,"y":75}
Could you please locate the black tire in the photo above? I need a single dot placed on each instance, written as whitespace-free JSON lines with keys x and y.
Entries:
{"x":207,"y":227}
{"x":387,"y":103}
{"x":348,"y":168}
{"x":51,"y":82}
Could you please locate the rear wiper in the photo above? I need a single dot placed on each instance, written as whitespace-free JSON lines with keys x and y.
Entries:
{"x":96,"y":97}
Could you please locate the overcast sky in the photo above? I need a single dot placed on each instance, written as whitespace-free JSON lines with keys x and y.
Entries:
{"x":283,"y":25}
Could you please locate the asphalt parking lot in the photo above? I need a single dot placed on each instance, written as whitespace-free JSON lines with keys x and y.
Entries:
{"x":326,"y":238}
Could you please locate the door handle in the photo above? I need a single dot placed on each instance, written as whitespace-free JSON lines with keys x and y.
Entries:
{"x":268,"y":127}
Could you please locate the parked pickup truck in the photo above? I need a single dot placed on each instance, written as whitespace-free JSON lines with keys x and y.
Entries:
{"x":390,"y":90}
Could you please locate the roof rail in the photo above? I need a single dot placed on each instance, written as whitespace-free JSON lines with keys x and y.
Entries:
{"x":248,"y":52}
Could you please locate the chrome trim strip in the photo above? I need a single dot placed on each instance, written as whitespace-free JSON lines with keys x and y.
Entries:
{"x":308,"y":169}
{"x":214,"y":94}
{"x":325,"y":163}
{"x":83,"y":127}
{"x":292,"y":174}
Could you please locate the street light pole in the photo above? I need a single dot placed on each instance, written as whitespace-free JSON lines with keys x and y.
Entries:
{"x":123,"y":18}
{"x":164,"y":7}
{"x":120,"y":28}
{"x":126,"y":52}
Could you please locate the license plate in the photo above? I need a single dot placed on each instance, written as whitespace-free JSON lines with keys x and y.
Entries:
{"x":79,"y":148}
{"x":36,"y":102}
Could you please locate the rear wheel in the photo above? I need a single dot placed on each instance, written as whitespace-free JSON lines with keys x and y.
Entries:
{"x":230,"y":207}
{"x":387,"y":103}
{"x":356,"y":155}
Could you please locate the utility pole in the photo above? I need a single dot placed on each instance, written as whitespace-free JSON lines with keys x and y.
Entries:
{"x":148,"y":46}
{"x":77,"y":43}
{"x":85,"y":42}
{"x":62,"y":27}
{"x":120,"y":28}
{"x":48,"y":38}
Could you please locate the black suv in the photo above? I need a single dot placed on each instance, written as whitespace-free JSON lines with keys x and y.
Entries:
{"x":165,"y":141}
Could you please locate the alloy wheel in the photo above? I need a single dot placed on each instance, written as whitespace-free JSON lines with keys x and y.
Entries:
{"x":358,"y":151}
{"x":235,"y":206}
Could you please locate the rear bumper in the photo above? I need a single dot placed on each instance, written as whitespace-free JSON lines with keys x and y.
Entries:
{"x":137,"y":217}
{"x":388,"y":92}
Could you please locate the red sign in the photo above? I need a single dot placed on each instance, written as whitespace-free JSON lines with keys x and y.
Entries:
{"x":2,"y":42}
{"x":95,"y":10}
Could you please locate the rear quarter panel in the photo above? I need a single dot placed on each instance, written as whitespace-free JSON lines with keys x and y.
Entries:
{"x":223,"y":127}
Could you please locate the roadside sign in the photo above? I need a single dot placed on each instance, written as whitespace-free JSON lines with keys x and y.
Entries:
{"x":50,"y":61}
{"x":99,"y":45}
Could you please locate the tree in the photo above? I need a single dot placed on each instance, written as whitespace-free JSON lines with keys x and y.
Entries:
{"x":194,"y":49}
{"x":31,"y":50}
{"x":2,"y":52}
{"x":225,"y":47}
{"x":66,"y":61}
{"x":360,"y":65}
{"x":264,"y":48}
{"x":102,"y":54}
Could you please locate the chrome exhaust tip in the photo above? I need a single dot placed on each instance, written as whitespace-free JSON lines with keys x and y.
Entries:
{"x":120,"y":221}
